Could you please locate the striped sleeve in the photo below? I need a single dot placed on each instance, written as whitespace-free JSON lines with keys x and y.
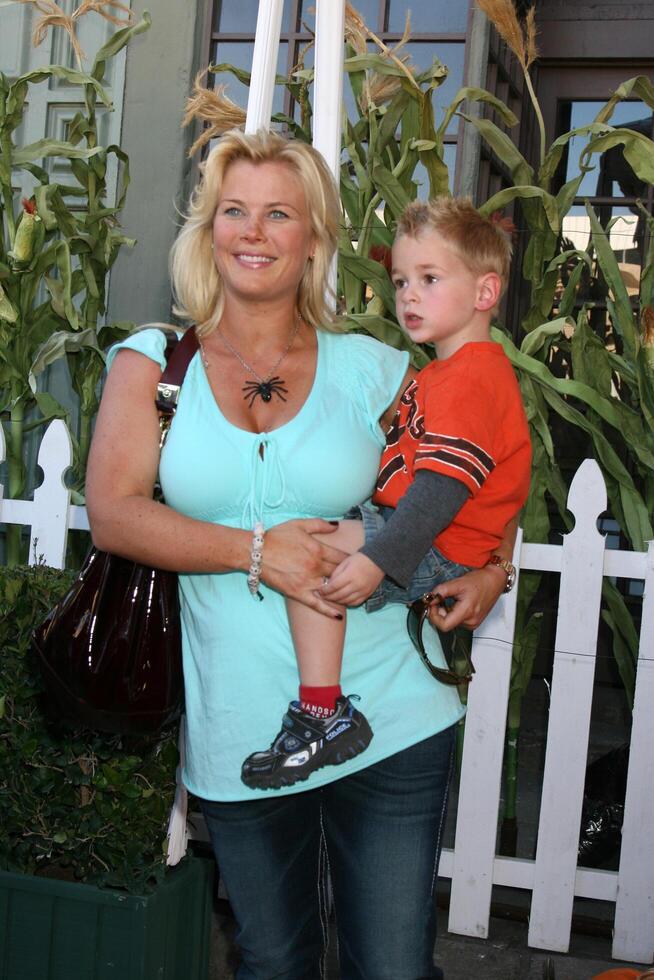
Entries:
{"x":460,"y":433}
{"x":461,"y":458}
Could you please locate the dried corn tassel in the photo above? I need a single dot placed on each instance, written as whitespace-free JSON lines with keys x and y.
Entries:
{"x":378,"y":88}
{"x":52,"y":15}
{"x":213,"y":107}
{"x":100,"y":7}
{"x":521,"y":40}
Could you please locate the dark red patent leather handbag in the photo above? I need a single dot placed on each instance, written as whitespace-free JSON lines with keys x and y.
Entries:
{"x":110,"y":650}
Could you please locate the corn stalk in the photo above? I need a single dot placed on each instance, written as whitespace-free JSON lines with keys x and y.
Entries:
{"x":56,"y":251}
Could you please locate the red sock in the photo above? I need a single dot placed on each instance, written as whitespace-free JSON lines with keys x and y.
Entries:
{"x":319,"y":701}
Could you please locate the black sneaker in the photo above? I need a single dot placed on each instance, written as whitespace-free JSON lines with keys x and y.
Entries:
{"x":305,"y":744}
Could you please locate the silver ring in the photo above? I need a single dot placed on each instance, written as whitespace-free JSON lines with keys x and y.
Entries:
{"x":325,"y":581}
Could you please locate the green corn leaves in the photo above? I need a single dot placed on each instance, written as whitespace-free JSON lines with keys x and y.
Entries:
{"x":639,"y":87}
{"x":468,"y":94}
{"x":8,"y":312}
{"x":394,"y":132}
{"x":55,"y":255}
{"x":116,"y":43}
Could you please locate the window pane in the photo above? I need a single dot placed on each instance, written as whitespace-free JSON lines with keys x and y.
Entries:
{"x":449,"y":155}
{"x":429,"y":16}
{"x":240,"y":16}
{"x":239,"y":54}
{"x":625,"y":234}
{"x":611,"y":175}
{"x":369,"y":10}
{"x":626,"y":240}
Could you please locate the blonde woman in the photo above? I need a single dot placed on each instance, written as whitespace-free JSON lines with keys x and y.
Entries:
{"x":278,"y":431}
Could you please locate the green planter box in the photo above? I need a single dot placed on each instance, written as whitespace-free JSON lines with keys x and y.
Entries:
{"x":58,"y":930}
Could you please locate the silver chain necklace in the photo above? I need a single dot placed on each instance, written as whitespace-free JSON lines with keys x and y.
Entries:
{"x":264,"y":388}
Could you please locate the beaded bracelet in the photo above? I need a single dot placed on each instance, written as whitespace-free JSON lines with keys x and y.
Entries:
{"x":256,"y":559}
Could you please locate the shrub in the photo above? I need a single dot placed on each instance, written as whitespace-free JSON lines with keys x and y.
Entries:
{"x":75,"y":804}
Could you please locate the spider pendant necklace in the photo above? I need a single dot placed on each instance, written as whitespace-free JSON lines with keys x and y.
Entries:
{"x":263,"y":388}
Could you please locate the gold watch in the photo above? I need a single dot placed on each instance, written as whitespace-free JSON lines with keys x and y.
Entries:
{"x":507,"y":567}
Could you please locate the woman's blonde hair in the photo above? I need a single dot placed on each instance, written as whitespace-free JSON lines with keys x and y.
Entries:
{"x":197,"y":286}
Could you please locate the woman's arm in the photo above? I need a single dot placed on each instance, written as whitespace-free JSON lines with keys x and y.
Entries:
{"x":475,"y":593}
{"x":124,"y":518}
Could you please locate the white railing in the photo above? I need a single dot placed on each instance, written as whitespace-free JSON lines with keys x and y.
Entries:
{"x":553,"y":877}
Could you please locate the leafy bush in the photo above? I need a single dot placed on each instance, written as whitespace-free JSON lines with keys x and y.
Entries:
{"x":74,"y":804}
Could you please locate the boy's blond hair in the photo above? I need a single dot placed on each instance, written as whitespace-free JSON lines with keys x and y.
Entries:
{"x":481,"y":243}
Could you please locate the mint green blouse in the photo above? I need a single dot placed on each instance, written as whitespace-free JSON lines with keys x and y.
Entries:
{"x":239,"y":663}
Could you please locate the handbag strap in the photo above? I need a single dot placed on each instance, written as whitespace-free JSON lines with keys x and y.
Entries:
{"x":178,"y":357}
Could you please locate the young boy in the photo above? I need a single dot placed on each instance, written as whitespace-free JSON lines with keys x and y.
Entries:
{"x":455,"y":471}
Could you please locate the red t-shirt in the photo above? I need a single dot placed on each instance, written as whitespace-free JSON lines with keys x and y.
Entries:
{"x":463,"y":417}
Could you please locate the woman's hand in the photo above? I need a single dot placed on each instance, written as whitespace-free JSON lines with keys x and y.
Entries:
{"x":475,"y":593}
{"x":297,"y":565}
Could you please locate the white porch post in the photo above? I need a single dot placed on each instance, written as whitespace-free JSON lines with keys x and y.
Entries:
{"x":328,"y":89}
{"x":264,"y":65}
{"x":328,"y":85}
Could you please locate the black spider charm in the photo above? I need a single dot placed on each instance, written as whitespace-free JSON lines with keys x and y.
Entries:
{"x":264,"y":389}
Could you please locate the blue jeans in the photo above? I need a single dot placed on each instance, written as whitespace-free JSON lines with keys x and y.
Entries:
{"x":431,"y":571}
{"x":377,"y":833}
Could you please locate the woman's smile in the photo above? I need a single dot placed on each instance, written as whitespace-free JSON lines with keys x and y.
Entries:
{"x":254,"y":261}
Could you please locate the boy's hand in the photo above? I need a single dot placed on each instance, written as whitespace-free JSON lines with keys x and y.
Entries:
{"x":353,"y":581}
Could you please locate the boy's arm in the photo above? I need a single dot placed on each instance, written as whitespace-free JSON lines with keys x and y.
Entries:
{"x":429,"y":505}
{"x":507,"y":544}
{"x":477,"y":592}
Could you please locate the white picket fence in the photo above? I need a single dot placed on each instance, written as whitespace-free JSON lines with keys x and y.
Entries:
{"x":553,"y":877}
